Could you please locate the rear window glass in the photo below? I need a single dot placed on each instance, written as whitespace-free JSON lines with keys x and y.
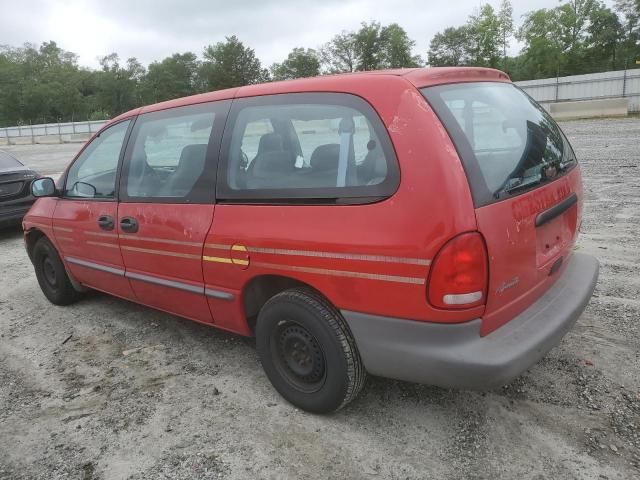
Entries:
{"x":7,"y":161}
{"x":507,"y":142}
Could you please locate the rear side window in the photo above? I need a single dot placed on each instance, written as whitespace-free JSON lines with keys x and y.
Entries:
{"x":306,"y":147}
{"x":167,"y":155}
{"x":507,"y":142}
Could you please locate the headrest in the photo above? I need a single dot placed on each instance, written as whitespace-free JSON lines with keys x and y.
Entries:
{"x":325,"y":157}
{"x":193,"y":153}
{"x":272,"y":164}
{"x":270,"y":142}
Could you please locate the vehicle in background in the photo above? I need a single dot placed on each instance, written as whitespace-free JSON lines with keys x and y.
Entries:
{"x":415,"y":224}
{"x":15,"y":189}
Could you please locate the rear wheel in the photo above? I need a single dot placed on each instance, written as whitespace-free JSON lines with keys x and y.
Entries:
{"x":307,"y":351}
{"x":51,"y":274}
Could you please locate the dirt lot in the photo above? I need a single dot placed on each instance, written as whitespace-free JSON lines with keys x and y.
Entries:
{"x":139,"y":394}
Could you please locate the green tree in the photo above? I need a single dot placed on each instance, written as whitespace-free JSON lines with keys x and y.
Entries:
{"x":299,"y":63}
{"x":505,"y":28}
{"x":543,"y":50}
{"x":118,"y":85}
{"x":42,"y":84}
{"x":605,"y":34}
{"x":369,"y":45}
{"x":630,"y":44}
{"x":230,"y":64}
{"x":339,"y":55}
{"x":397,"y":47}
{"x":485,"y":37}
{"x":174,"y":77}
{"x":372,"y":47}
{"x":450,"y":48}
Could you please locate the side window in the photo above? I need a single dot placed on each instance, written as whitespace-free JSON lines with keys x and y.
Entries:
{"x":93,"y":174}
{"x":167,"y":157}
{"x":306,"y":146}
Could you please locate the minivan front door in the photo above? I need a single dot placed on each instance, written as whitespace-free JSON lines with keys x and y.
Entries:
{"x":166,"y":206}
{"x":84,"y":217}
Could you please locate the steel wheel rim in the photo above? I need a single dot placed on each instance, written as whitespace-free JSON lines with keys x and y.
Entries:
{"x":298,"y":356}
{"x":49,"y":272}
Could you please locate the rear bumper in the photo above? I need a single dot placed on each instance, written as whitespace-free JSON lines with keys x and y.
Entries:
{"x":455,"y":355}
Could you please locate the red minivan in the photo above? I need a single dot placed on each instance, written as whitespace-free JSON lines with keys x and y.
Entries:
{"x":415,"y":224}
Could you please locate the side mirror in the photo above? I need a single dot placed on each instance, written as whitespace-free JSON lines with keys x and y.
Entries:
{"x":43,"y":187}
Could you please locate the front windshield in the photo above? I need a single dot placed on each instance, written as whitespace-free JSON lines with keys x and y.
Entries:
{"x":513,"y":142}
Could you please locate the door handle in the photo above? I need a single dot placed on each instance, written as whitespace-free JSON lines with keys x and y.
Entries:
{"x":129,"y":224}
{"x":105,"y":222}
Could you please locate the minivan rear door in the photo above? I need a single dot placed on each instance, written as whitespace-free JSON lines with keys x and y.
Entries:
{"x":526,"y":189}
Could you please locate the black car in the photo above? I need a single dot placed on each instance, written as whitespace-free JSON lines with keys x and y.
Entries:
{"x":15,"y":189}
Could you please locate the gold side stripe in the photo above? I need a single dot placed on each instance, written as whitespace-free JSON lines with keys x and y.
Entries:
{"x":343,"y":273}
{"x":161,"y":240}
{"x":341,"y":256}
{"x":216,"y":259}
{"x":160,"y":252}
{"x":234,"y":261}
{"x":64,"y":239}
{"x":102,"y":244}
{"x":217,"y":246}
{"x":101,"y":234}
{"x":63,"y":229}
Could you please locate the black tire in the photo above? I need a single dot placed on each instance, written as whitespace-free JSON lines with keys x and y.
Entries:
{"x":52,"y":277}
{"x":308,"y":352}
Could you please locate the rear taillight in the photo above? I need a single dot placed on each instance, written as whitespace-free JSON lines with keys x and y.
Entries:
{"x":458,"y":276}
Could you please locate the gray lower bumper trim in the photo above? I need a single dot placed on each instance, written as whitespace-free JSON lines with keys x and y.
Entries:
{"x":454,"y":355}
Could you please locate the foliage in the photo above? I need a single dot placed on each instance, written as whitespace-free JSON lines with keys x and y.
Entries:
{"x":299,"y":63}
{"x":450,"y":48}
{"x":339,"y":55}
{"x":371,"y":47}
{"x":174,"y":77}
{"x":575,"y":37}
{"x":45,"y":83}
{"x":230,"y":64}
{"x":482,"y":41}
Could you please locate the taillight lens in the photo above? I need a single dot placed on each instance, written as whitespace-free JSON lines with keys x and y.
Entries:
{"x":458,"y":276}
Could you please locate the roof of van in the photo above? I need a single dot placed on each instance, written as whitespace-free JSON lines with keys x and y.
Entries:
{"x":419,"y":77}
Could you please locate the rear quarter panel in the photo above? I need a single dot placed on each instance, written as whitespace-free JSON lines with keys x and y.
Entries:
{"x":323,"y":243}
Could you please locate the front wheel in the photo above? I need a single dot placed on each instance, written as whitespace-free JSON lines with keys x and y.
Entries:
{"x":51,"y":274}
{"x":308,"y":352}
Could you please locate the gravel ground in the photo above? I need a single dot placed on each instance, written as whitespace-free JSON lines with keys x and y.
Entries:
{"x":134,"y":393}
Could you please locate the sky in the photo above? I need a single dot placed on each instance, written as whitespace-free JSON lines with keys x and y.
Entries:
{"x":153,"y":29}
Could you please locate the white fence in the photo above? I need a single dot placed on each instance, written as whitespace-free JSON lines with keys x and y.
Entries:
{"x":593,"y":86}
{"x":66,"y":132}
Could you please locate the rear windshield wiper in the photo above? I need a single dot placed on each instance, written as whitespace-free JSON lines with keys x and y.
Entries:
{"x":517,"y":184}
